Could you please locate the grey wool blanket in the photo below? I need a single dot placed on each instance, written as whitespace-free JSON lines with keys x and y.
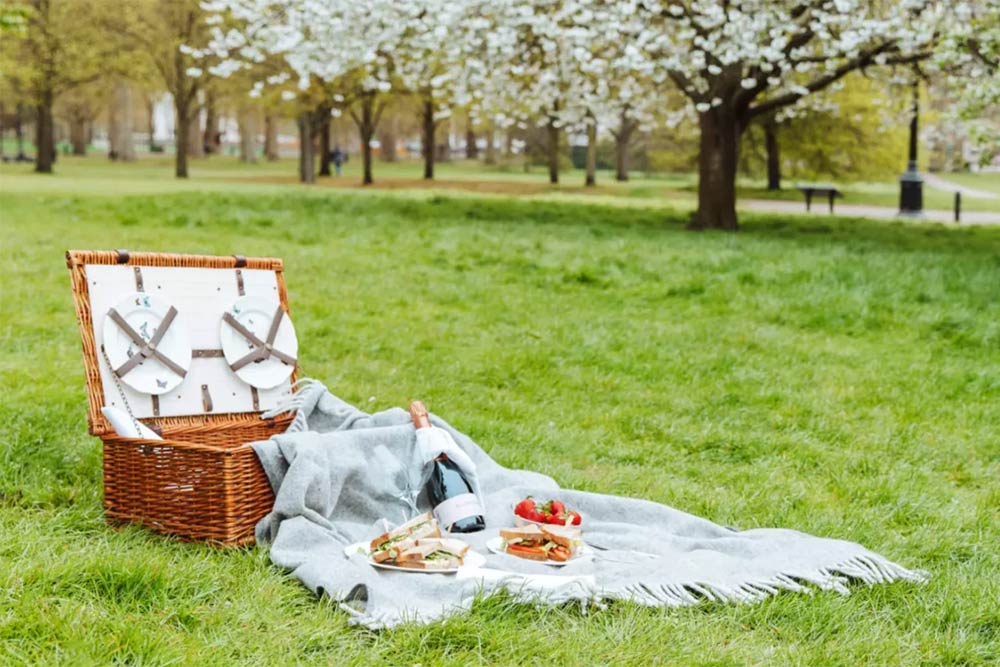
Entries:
{"x":338,"y":471}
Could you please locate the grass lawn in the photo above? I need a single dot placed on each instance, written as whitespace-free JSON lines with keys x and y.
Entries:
{"x":838,"y":377}
{"x":980,"y":181}
{"x":152,"y":175}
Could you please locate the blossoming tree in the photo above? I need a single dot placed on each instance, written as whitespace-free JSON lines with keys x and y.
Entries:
{"x":345,"y":48}
{"x":969,"y":58}
{"x":738,"y":61}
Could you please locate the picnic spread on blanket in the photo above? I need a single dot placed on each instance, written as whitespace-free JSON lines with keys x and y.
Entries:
{"x":209,"y":435}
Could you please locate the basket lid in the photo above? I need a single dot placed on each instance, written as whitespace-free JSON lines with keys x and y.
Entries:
{"x":204,"y":389}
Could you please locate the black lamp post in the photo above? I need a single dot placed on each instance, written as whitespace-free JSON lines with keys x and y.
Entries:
{"x":911,"y":183}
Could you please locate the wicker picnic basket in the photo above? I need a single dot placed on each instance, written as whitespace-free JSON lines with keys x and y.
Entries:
{"x":201,"y":482}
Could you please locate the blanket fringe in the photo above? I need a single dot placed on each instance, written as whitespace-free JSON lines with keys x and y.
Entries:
{"x":868,"y":568}
{"x":303,"y":391}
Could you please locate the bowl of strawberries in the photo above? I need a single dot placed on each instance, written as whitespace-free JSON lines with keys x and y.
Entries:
{"x":553,"y":512}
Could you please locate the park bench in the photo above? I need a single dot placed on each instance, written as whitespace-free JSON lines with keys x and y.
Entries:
{"x":822,"y":190}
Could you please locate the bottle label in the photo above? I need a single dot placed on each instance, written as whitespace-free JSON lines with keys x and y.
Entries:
{"x":457,"y":508}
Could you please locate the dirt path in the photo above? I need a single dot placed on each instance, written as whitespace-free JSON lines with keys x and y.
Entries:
{"x":878,"y":212}
{"x":515,"y":188}
{"x":936,"y":181}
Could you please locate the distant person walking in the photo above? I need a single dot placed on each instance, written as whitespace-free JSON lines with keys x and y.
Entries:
{"x":338,"y":157}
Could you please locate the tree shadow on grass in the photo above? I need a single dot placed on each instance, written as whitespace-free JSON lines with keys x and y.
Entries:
{"x":338,"y":208}
{"x":859,"y":234}
{"x":865,"y":234}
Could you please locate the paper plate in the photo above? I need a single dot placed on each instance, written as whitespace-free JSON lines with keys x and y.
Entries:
{"x":143,"y":313}
{"x":520,"y":521}
{"x":582,"y":553}
{"x":256,"y":315}
{"x":472,"y":561}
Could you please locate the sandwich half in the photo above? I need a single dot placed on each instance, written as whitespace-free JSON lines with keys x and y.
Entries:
{"x":417,"y":544}
{"x":416,"y":528}
{"x":541,"y":543}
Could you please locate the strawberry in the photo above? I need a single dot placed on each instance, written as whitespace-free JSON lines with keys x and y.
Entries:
{"x":575,"y":516}
{"x":557,"y":508}
{"x":537,"y":516}
{"x":525,"y":508}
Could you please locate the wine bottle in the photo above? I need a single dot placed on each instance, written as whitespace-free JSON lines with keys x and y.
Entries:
{"x":454,"y":504}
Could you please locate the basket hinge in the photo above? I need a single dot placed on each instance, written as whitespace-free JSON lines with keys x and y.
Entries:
{"x":241,"y":261}
{"x":122,"y":257}
{"x":206,"y":398}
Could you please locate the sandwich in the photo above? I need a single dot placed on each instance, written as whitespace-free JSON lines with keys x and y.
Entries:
{"x":417,"y":544}
{"x":542,"y":543}
{"x":389,"y":545}
{"x":433,"y":554}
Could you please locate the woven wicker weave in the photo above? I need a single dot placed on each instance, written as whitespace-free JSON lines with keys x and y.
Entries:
{"x":200,"y":482}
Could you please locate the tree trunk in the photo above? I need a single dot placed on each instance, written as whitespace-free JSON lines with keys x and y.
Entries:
{"x":307,"y":157}
{"x":591,"y":179}
{"x":429,"y":127}
{"x":773,"y":156}
{"x":622,"y":140}
{"x":324,"y":145}
{"x":196,"y":144}
{"x":247,"y":121}
{"x":19,"y":131}
{"x":366,"y":128}
{"x":389,"y":139}
{"x":151,"y":120}
{"x":271,"y":137}
{"x":45,"y":144}
{"x":471,"y":149}
{"x":491,"y":149}
{"x":211,"y":138}
{"x":78,"y":133}
{"x":182,"y":125}
{"x":508,"y":149}
{"x":720,"y":137}
{"x":553,"y":146}
{"x":120,"y":133}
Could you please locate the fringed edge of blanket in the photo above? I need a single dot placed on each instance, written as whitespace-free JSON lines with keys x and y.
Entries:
{"x":304,"y":391}
{"x":867,"y":568}
{"x":870,"y":569}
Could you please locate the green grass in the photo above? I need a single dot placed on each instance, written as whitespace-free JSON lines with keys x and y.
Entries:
{"x":879,"y":194}
{"x":834,"y":376}
{"x":152,"y":175}
{"x":980,"y":181}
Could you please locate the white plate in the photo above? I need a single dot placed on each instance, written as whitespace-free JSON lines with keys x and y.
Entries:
{"x":144,"y":312}
{"x":582,"y":553}
{"x":256,"y":314}
{"x":472,"y":561}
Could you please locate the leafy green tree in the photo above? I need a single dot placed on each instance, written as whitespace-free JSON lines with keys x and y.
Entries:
{"x":173,"y":36}
{"x":846,"y":134}
{"x":47,"y":54}
{"x":79,"y":107}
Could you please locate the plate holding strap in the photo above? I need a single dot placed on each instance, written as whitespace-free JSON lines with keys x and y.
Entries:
{"x":146,"y":349}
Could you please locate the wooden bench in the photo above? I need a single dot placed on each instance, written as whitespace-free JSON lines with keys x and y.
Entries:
{"x":822,"y":190}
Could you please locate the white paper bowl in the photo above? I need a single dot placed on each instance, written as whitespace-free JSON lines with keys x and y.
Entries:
{"x":520,"y":521}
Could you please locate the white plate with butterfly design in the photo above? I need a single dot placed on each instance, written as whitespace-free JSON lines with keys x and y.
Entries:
{"x":257,"y":314}
{"x":143,"y":313}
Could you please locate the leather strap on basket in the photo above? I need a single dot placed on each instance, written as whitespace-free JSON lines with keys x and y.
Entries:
{"x":146,"y":349}
{"x":264,"y":348}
